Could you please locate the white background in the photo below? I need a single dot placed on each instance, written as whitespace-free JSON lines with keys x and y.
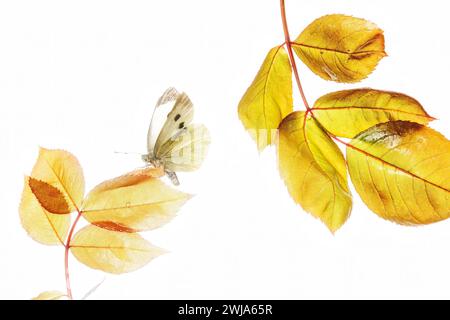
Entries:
{"x":84,"y":76}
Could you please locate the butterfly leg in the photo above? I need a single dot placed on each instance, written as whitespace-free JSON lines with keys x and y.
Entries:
{"x":173,"y":177}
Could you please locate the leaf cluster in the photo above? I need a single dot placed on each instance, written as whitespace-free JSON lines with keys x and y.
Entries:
{"x":116,"y":211}
{"x":398,"y":165}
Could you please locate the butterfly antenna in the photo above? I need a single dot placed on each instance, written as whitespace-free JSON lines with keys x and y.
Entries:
{"x":134,"y":153}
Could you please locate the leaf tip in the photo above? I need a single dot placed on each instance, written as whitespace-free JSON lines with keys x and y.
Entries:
{"x":162,"y":251}
{"x":51,"y":295}
{"x":42,"y":150}
{"x":190,"y":196}
{"x":334,"y":228}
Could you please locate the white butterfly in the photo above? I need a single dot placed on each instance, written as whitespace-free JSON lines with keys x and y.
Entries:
{"x":180,"y":145}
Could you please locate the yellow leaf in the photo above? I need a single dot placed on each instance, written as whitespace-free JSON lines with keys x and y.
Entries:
{"x":51,"y":295}
{"x":61,"y":170}
{"x":111,"y":251}
{"x":269,"y":98}
{"x":41,"y":225}
{"x":133,"y":202}
{"x":341,"y":48}
{"x":50,"y":198}
{"x":350,"y":112}
{"x":314,"y":170}
{"x":401,"y":171}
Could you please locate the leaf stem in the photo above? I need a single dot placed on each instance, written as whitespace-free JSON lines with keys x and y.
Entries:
{"x":310,"y":110}
{"x":66,"y":255}
{"x":291,"y":54}
{"x":289,"y":43}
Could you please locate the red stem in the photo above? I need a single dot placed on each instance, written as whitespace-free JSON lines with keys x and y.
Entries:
{"x":288,"y":43}
{"x":66,"y":255}
{"x":341,"y":141}
{"x":291,"y":54}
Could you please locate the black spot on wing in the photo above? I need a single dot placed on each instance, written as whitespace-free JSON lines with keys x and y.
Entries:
{"x":181,"y":125}
{"x":177,"y":117}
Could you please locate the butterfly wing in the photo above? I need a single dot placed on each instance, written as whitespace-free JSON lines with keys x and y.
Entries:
{"x":178,"y":119}
{"x":187,"y":150}
{"x":159,"y":116}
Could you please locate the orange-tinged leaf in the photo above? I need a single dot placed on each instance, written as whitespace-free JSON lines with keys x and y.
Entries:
{"x":51,"y":295}
{"x":268,"y":99}
{"x":111,"y":251}
{"x":314,"y":170}
{"x":133,"y":202}
{"x":350,"y":112}
{"x":401,"y":171}
{"x":50,"y":198}
{"x":61,"y":170}
{"x":41,"y":225}
{"x":148,"y":171}
{"x":341,"y":48}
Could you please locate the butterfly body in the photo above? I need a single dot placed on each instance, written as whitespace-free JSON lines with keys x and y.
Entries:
{"x":179,"y":145}
{"x":151,"y":160}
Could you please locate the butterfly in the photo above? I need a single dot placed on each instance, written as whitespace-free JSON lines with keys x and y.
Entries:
{"x":180,"y":145}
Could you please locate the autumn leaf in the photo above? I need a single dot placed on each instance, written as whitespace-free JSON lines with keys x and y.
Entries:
{"x":49,"y":197}
{"x":61,"y":170}
{"x":399,"y":166}
{"x":112,"y":251}
{"x":269,"y":98}
{"x":133,"y":202}
{"x":41,"y":225}
{"x":401,"y":171}
{"x":341,"y":48}
{"x":51,"y":295}
{"x":117,"y":209}
{"x":314,"y":170}
{"x":350,"y":112}
{"x":55,"y":188}
{"x":148,"y":171}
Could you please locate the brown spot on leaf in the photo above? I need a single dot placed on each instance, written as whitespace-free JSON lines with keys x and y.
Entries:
{"x":113,"y":226}
{"x":49,"y":197}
